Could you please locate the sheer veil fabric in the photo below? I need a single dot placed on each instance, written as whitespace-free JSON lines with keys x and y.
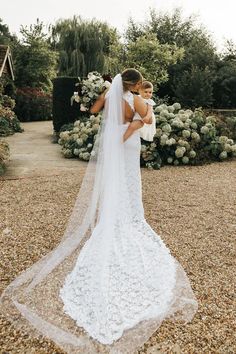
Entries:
{"x":111,"y":281}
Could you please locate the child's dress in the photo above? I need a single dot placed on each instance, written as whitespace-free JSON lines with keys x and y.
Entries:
{"x":147,"y":131}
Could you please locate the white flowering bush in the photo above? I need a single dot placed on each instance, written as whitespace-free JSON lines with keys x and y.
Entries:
{"x":78,"y":142}
{"x":89,"y":90}
{"x":182,"y":136}
{"x":185,"y":137}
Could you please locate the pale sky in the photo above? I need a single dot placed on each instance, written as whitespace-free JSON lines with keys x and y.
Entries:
{"x":217,"y":16}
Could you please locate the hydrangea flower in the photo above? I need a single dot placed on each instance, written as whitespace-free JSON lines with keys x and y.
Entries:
{"x":186,"y":133}
{"x":170,"y":141}
{"x":193,"y":125}
{"x":177,"y":123}
{"x":223,"y":139}
{"x":223,"y":155}
{"x":158,"y":132}
{"x":171,"y":109}
{"x":176,"y":162}
{"x":166,"y":128}
{"x":204,"y":129}
{"x":185,"y":159}
{"x":179,"y":152}
{"x":79,"y":142}
{"x":164,"y":137}
{"x":227,"y":147}
{"x":195,"y":136}
{"x":233,"y":148}
{"x":192,"y":154}
{"x":177,"y":106}
{"x":76,"y":152}
{"x":164,"y":113}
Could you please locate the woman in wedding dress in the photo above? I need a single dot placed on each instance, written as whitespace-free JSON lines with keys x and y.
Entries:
{"x":109,"y":284}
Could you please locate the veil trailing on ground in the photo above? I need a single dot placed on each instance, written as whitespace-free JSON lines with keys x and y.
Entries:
{"x":32,"y":301}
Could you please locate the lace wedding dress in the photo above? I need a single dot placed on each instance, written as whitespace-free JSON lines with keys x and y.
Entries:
{"x":113,"y":291}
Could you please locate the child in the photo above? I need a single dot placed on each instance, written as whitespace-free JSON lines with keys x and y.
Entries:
{"x":146,"y":125}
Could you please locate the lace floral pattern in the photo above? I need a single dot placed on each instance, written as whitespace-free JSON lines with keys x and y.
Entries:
{"x":115,"y":285}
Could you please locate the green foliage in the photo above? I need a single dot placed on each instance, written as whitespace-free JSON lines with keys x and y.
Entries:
{"x":152,"y":58}
{"x":83,"y":46}
{"x":9,"y":123}
{"x":33,"y":104}
{"x":224,"y":86}
{"x":199,"y":55}
{"x":4,"y":155}
{"x":6,"y":37}
{"x":194,"y":87}
{"x":35,"y":62}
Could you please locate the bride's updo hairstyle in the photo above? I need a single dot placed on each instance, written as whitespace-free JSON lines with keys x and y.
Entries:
{"x":130,"y":77}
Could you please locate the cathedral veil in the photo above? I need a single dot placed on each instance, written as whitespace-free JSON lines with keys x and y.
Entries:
{"x":32,"y":301}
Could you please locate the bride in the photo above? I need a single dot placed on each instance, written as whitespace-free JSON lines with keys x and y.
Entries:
{"x":109,"y":284}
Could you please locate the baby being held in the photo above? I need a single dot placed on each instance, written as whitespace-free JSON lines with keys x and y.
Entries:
{"x":147,"y":132}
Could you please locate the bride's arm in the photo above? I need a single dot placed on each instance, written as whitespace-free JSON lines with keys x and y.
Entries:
{"x":142,"y":108}
{"x":98,"y":104}
{"x":148,"y":118}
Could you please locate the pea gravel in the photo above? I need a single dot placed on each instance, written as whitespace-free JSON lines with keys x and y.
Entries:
{"x":192,"y":208}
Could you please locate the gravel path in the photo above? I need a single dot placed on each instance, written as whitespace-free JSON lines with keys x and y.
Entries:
{"x":192,"y":208}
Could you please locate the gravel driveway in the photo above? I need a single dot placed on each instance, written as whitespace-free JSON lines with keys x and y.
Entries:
{"x":192,"y":208}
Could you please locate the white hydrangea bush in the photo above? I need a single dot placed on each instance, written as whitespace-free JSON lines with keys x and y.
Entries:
{"x":184,"y":137}
{"x":79,"y":141}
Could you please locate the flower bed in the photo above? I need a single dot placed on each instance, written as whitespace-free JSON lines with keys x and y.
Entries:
{"x":4,"y":155}
{"x":182,"y":137}
{"x":9,"y":123}
{"x":33,"y":104}
{"x":185,"y":137}
{"x":78,"y":142}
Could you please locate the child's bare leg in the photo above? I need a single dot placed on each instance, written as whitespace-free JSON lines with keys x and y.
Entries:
{"x":136,"y":124}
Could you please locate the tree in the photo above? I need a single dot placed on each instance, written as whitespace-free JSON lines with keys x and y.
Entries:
{"x":152,"y":58}
{"x":224,"y":86}
{"x":5,"y":35}
{"x":194,"y":88}
{"x":35,"y":62}
{"x":83,"y":46}
{"x":199,"y":51}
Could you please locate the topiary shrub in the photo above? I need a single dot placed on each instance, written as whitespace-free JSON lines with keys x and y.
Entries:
{"x":62,"y":110}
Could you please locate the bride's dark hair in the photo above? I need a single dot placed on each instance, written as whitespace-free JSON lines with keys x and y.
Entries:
{"x":130,"y":77}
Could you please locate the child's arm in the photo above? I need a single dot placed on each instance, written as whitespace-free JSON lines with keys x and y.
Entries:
{"x":136,"y":124}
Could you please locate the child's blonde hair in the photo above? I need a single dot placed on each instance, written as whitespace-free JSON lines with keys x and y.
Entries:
{"x":146,"y":84}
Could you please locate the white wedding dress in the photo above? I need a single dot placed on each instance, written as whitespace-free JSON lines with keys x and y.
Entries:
{"x":111,"y":281}
{"x":116,"y":285}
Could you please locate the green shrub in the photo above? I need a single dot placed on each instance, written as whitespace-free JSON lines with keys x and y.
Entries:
{"x":9,"y":123}
{"x":62,"y":110}
{"x":183,"y":137}
{"x":33,"y":104}
{"x":4,"y":155}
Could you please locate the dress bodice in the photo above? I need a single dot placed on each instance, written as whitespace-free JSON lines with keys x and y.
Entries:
{"x":129,"y":98}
